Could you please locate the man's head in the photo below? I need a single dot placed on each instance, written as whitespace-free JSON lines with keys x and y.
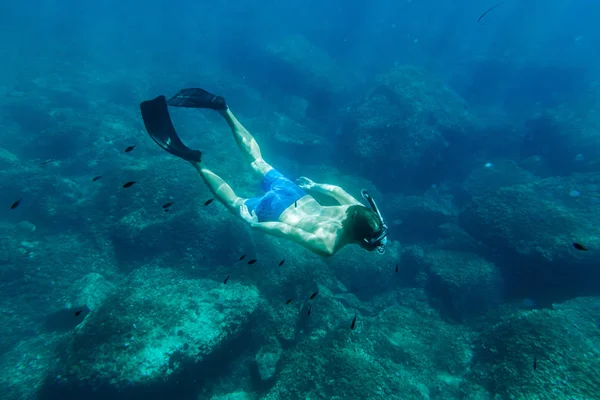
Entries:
{"x":364,"y":227}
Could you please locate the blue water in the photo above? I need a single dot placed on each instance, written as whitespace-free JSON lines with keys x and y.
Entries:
{"x":478,"y":139}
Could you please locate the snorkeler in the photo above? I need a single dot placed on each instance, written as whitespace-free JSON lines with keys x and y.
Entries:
{"x":286,"y":209}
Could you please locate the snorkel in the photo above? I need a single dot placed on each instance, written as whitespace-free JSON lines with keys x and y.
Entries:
{"x":379,"y":242}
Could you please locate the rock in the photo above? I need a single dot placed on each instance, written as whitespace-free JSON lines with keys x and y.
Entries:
{"x":462,"y":285}
{"x":157,"y":327}
{"x":266,"y":361}
{"x":563,"y":343}
{"x":24,"y":368}
{"x":499,"y":174}
{"x":395,"y":354}
{"x":91,"y":291}
{"x":297,"y":140}
{"x":25,"y":227}
{"x":411,"y":120}
{"x":453,"y":237}
{"x":564,"y":140}
{"x":532,"y":226}
{"x":144,"y":231}
{"x":307,"y":70}
{"x":418,"y":218}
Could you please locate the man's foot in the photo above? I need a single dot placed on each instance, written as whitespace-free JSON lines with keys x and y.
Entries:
{"x":197,"y":98}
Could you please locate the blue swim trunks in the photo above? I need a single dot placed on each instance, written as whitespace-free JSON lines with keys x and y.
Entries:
{"x":280,"y":193}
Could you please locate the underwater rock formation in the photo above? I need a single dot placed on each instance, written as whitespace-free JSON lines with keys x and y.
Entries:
{"x":533,"y":227}
{"x":415,"y":218}
{"x":462,"y":285}
{"x":532,"y":353}
{"x":266,"y":361}
{"x":157,"y":328}
{"x":411,"y":120}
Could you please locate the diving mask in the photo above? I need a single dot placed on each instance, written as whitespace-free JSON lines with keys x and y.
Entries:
{"x":380,"y":241}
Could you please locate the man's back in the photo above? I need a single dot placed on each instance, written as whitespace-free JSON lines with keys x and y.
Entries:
{"x":325,"y":222}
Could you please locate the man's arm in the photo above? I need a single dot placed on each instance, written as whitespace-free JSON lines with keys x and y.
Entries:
{"x":309,"y":240}
{"x":336,"y":192}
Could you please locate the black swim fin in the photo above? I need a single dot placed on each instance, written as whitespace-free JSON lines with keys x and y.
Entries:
{"x":197,"y":98}
{"x":160,"y":128}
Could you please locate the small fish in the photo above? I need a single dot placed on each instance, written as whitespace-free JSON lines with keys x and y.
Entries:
{"x":207,"y":202}
{"x":296,"y":204}
{"x":534,"y":363}
{"x":289,"y":301}
{"x":353,"y":323}
{"x":167,"y":205}
{"x":252,"y":261}
{"x":281,"y":262}
{"x":96,"y":178}
{"x":396,"y":267}
{"x":128,"y":184}
{"x":166,"y":210}
{"x":127,"y":150}
{"x":226,"y":279}
{"x":580,"y":247}
{"x":488,"y":10}
{"x":242,"y":257}
{"x":309,"y":309}
{"x":77,"y":313}
{"x":48,"y":161}
{"x":312,"y":296}
{"x":15,"y":204}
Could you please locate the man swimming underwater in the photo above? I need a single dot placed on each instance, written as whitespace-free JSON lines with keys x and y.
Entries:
{"x":286,"y":209}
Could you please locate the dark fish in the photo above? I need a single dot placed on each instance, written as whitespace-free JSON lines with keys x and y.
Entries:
{"x":353,"y":323}
{"x":15,"y":204}
{"x":281,"y":262}
{"x":48,"y":161}
{"x":534,"y":363}
{"x":226,"y":279}
{"x":289,"y":301}
{"x":167,"y":205}
{"x":166,"y":210}
{"x":580,"y":247}
{"x":309,"y":309}
{"x":207,"y":202}
{"x":65,"y":319}
{"x":396,"y":267}
{"x":94,"y":179}
{"x":252,"y":261}
{"x":129,"y":184}
{"x":296,"y":204}
{"x":242,"y":257}
{"x":312,"y":296}
{"x":127,"y":150}
{"x":488,"y":10}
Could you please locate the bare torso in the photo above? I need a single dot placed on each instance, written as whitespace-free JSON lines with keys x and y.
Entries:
{"x":325,"y":222}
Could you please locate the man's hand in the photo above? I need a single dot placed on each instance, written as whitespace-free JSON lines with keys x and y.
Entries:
{"x":251,"y":218}
{"x":305,"y":183}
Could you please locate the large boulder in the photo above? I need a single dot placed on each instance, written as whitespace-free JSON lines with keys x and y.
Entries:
{"x":418,"y":218}
{"x":533,"y":227}
{"x":24,"y":367}
{"x":542,"y":354}
{"x":462,"y":285}
{"x":266,"y":360}
{"x":158,"y":327}
{"x":398,"y":353}
{"x":411,"y":120}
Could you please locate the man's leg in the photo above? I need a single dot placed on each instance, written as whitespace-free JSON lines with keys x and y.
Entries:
{"x":221,"y":190}
{"x":246,"y":143}
{"x":200,"y":98}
